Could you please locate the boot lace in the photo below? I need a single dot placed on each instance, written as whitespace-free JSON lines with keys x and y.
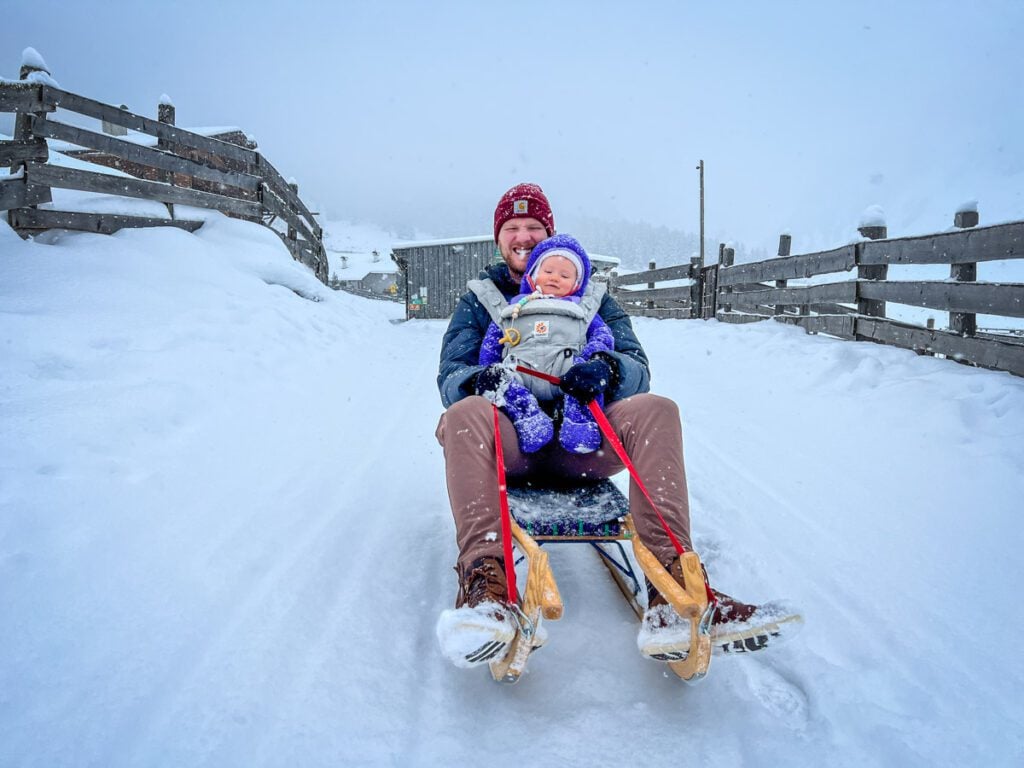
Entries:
{"x":484,"y":582}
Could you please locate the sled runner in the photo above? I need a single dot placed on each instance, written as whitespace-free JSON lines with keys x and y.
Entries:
{"x":596,"y":514}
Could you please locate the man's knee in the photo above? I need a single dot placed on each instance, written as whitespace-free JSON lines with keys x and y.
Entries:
{"x":662,"y":405}
{"x":648,"y":405}
{"x":464,"y":417}
{"x":469,"y":408}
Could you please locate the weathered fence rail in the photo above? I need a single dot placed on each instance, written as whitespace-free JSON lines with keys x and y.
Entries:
{"x":675,"y":301}
{"x":184,"y":168}
{"x":855,"y":307}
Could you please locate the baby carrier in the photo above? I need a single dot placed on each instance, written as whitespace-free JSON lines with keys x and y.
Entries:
{"x":548,"y":333}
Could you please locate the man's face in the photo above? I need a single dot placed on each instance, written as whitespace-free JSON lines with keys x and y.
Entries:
{"x":516,"y":239}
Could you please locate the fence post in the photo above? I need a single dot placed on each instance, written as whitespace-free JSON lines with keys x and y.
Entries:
{"x":23,"y":132}
{"x":697,"y":288}
{"x":871,"y":307}
{"x":725,"y":257}
{"x":964,"y":323}
{"x":785,"y":242}
{"x":165,"y":114}
{"x":650,"y":302}
{"x":292,"y":232}
{"x":23,"y":120}
{"x":709,"y":291}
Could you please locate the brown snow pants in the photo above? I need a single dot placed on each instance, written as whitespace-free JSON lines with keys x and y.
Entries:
{"x":649,"y":428}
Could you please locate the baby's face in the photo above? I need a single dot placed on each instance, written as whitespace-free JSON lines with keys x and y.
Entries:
{"x":556,"y":276}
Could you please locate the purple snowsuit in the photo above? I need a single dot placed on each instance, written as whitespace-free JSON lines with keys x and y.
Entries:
{"x":578,"y":432}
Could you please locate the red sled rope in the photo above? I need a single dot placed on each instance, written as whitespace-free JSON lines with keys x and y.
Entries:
{"x":506,"y":515}
{"x":620,"y":451}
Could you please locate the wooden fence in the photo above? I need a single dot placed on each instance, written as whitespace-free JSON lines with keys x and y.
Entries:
{"x":184,"y":168}
{"x":668,"y":301}
{"x":854,"y":307}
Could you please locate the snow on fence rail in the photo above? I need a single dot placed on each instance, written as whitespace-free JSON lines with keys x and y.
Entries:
{"x":855,"y":309}
{"x":183,"y":168}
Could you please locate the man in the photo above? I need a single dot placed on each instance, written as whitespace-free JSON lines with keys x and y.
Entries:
{"x":482,"y":625}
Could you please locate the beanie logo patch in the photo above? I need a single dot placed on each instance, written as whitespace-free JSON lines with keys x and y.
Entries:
{"x":521,"y":207}
{"x":540,"y":328}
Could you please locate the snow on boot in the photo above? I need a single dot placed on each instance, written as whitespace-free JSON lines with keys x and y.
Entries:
{"x":579,"y":432}
{"x":534,"y":428}
{"x":735,"y":628}
{"x":664,"y":634}
{"x":481,"y":626}
{"x":742,"y":628}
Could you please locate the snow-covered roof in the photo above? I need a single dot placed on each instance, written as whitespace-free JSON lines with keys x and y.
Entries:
{"x":445,"y":241}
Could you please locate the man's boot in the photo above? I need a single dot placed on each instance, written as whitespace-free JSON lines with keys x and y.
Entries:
{"x":743,"y":628}
{"x":481,"y":626}
{"x":735,"y":628}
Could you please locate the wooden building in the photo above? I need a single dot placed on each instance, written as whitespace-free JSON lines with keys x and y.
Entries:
{"x":433,"y":273}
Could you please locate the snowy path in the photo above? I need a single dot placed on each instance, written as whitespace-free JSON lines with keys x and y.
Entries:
{"x":224,"y":537}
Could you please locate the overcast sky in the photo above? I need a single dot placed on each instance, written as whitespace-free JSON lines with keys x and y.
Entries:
{"x":420,"y":114}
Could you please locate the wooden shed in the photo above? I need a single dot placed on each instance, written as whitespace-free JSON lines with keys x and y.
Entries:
{"x":434,"y":272}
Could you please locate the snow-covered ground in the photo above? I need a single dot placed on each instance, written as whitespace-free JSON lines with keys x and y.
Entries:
{"x":224,"y":536}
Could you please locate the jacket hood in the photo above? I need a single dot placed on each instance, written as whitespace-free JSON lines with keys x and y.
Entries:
{"x":558,"y":245}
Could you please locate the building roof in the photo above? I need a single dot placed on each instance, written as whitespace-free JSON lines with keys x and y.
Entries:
{"x":402,"y":245}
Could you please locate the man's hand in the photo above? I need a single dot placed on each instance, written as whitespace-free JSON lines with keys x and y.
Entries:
{"x":585,"y":381}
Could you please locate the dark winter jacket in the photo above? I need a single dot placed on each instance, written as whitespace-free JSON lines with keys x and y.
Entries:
{"x":460,"y":348}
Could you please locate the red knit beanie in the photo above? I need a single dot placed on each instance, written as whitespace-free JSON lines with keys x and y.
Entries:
{"x":521,"y":202}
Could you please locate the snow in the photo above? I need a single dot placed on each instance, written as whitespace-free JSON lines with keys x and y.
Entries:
{"x":38,"y":73}
{"x":461,"y":633}
{"x":225,"y":540}
{"x":165,"y":100}
{"x":31,"y":58}
{"x":872,"y":216}
{"x":446,"y":241}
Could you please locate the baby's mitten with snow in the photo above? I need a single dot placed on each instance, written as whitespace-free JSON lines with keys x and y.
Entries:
{"x":579,"y":432}
{"x":491,"y":382}
{"x":534,"y":428}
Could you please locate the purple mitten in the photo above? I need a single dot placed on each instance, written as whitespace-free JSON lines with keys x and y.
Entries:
{"x":533,"y":427}
{"x":579,"y":432}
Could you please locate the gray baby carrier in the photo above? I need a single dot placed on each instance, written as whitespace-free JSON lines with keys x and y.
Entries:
{"x":551,"y":331}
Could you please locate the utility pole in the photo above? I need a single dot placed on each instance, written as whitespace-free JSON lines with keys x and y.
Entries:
{"x":701,"y":169}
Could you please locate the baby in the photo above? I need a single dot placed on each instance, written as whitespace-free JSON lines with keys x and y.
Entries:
{"x":550,"y":326}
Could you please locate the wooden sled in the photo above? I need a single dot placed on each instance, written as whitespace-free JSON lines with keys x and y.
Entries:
{"x":596,"y":514}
